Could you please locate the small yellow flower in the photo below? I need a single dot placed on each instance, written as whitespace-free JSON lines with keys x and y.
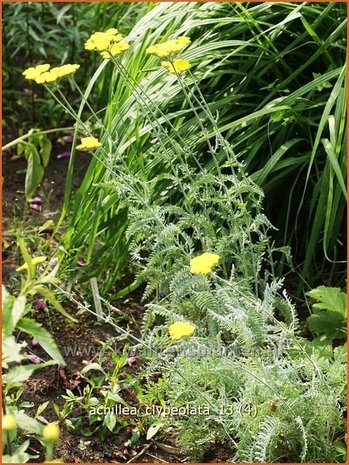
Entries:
{"x":56,"y":73}
{"x":180,"y":329}
{"x":204,"y":263}
{"x":177,"y":66}
{"x":8,"y":422}
{"x":115,"y":49}
{"x":101,"y":41}
{"x":46,"y":78}
{"x":33,"y":72}
{"x":51,"y":432}
{"x":65,"y":70}
{"x":35,"y":261}
{"x":88,"y":143}
{"x":171,"y":47}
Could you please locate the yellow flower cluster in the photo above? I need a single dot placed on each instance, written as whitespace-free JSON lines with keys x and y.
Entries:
{"x":169,"y":48}
{"x":180,"y":329}
{"x":42,"y":74}
{"x":108,"y":42}
{"x":176,"y":66}
{"x":35,"y":71}
{"x":115,"y":49}
{"x":88,"y":143}
{"x":204,"y":263}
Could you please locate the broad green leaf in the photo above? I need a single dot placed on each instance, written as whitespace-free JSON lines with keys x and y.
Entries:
{"x":11,"y":351}
{"x":15,"y":377}
{"x":332,"y":324}
{"x":53,"y":301}
{"x":19,"y":455}
{"x":28,"y":423}
{"x":110,"y":421}
{"x":34,"y":174}
{"x":45,"y":149}
{"x":329,"y":298}
{"x":44,"y":338}
{"x":7,"y":322}
{"x":92,"y":366}
{"x":153,"y":429}
{"x":41,"y":408}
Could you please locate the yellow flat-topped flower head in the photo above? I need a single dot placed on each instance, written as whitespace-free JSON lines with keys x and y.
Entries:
{"x":107,"y":43}
{"x":169,"y":48}
{"x":42,"y":74}
{"x":180,"y":330}
{"x":98,"y":41}
{"x":35,"y":261}
{"x":115,"y":49}
{"x":88,"y":143}
{"x":33,"y":72}
{"x":176,"y":66}
{"x":204,"y":263}
{"x":56,"y":73}
{"x":65,"y":70}
{"x":47,"y":78}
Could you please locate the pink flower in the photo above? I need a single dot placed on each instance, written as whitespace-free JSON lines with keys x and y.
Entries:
{"x":35,"y":207}
{"x":40,"y":304}
{"x":36,"y":201}
{"x":81,"y":262}
{"x":64,"y":155}
{"x":34,"y":359}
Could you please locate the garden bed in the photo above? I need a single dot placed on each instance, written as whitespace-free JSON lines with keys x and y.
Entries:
{"x":173,"y":252}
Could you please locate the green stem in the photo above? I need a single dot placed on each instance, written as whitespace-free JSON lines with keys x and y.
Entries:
{"x":49,"y":451}
{"x":8,"y":439}
{"x":32,"y":133}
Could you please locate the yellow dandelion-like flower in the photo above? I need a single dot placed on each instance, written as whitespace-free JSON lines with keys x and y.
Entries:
{"x":35,"y":261}
{"x":115,"y":49}
{"x":88,"y":143}
{"x":204,"y":263}
{"x":33,"y":72}
{"x":180,"y":329}
{"x":177,"y":66}
{"x":171,"y":47}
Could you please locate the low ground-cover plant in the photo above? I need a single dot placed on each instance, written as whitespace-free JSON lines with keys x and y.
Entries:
{"x":173,"y":191}
{"x":246,"y":378}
